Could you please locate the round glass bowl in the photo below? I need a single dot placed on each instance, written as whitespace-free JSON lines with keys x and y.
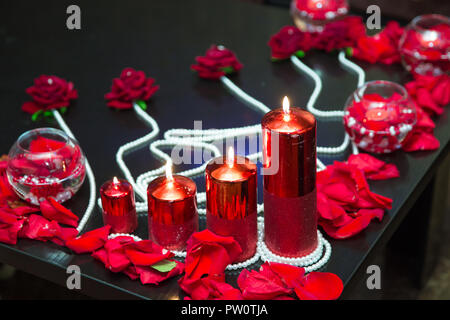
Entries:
{"x":425,"y":45}
{"x":312,"y":15}
{"x":44,"y":163}
{"x":379,"y":115}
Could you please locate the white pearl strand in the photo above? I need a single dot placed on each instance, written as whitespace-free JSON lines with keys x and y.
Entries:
{"x":204,"y":139}
{"x":89,"y":173}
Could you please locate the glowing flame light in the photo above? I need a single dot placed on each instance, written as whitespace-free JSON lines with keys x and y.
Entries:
{"x":230,"y":157}
{"x":286,"y":109}
{"x":169,"y":175}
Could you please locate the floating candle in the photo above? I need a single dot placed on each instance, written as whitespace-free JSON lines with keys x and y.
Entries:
{"x":172,"y":210}
{"x":379,"y":115}
{"x":118,"y":206}
{"x":425,"y":45}
{"x":289,"y":151}
{"x":231,"y":200}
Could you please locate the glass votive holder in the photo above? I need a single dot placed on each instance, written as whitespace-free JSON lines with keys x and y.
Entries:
{"x":425,"y":45}
{"x":379,"y":115}
{"x":44,"y":163}
{"x":313,"y":15}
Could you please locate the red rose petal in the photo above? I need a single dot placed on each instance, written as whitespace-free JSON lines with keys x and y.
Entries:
{"x":320,"y":286}
{"x":89,"y":241}
{"x":53,"y":210}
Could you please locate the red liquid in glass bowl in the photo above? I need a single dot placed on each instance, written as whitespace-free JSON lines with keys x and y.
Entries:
{"x":312,"y":15}
{"x":378,"y":116}
{"x":44,"y":163}
{"x":425,"y":45}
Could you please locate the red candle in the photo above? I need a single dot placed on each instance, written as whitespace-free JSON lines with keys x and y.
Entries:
{"x":231,"y":201}
{"x":172,"y":210}
{"x":119,"y":210}
{"x":290,"y":210}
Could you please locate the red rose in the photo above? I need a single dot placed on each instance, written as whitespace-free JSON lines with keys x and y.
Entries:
{"x":132,"y":86}
{"x":49,"y":92}
{"x":217,"y":62}
{"x":382,"y":47}
{"x":340,"y":34}
{"x":288,"y":41}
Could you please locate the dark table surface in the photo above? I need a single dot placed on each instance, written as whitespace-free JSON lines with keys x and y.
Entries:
{"x":162,"y":38}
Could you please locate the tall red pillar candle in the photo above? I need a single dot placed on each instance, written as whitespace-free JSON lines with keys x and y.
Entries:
{"x":290,"y":209}
{"x":118,"y":205}
{"x":172,"y":210}
{"x":231,"y":201}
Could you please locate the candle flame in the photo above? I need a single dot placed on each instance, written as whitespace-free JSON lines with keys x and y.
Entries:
{"x":286,"y":109}
{"x":169,"y":175}
{"x":115,"y":180}
{"x":230,"y":157}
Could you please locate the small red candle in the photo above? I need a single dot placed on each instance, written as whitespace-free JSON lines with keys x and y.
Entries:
{"x":118,"y":205}
{"x":290,"y":210}
{"x":172,"y":210}
{"x":231,"y":201}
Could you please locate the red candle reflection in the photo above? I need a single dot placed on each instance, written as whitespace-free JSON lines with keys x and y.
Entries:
{"x":290,"y":210}
{"x":231,"y":201}
{"x":172,"y":210}
{"x":118,"y":205}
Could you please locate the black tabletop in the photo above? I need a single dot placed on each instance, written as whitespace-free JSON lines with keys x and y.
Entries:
{"x":162,"y":38}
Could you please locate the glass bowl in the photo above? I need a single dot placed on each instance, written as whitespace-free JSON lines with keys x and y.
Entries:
{"x":312,"y":15}
{"x":44,"y":163}
{"x":425,"y":45}
{"x":379,"y":115}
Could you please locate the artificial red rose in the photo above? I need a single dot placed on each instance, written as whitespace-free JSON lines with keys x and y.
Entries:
{"x":382,"y":47}
{"x":431,"y":93}
{"x":217,"y":62}
{"x":209,"y":254}
{"x":132,"y":86}
{"x":289,"y":41}
{"x":339,"y":34}
{"x":49,"y":92}
{"x":53,"y":210}
{"x":372,"y":167}
{"x":89,"y":241}
{"x":212,"y":287}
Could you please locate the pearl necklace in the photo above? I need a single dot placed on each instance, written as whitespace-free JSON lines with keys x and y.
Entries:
{"x":92,"y":185}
